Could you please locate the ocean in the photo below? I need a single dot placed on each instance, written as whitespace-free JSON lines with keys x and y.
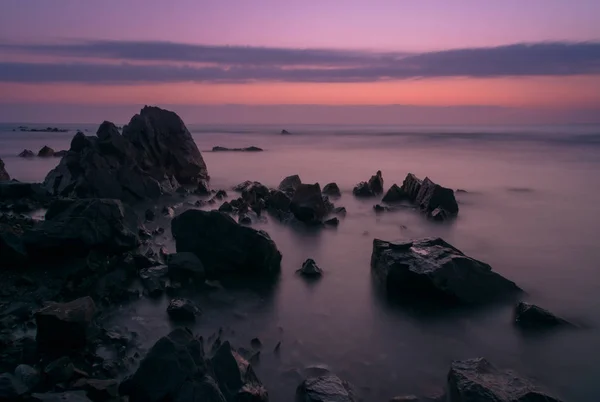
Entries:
{"x":531,"y":210}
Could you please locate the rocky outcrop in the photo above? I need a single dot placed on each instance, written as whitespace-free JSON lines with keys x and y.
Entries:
{"x":64,"y":326}
{"x":74,"y":227}
{"x":395,"y":194}
{"x":26,"y":153}
{"x":478,"y":380}
{"x":328,"y":388}
{"x":531,"y":316}
{"x":4,"y":176}
{"x":154,"y":154}
{"x":310,"y":269}
{"x":279,"y":201}
{"x":289,"y":184}
{"x":248,"y":149}
{"x":332,"y":190}
{"x":431,"y":198}
{"x":411,"y":186}
{"x":308,"y":204}
{"x":46,"y":152}
{"x":371,"y":188}
{"x":224,"y":246}
{"x":432,"y":269}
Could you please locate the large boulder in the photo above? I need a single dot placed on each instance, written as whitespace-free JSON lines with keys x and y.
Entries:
{"x":64,"y":326}
{"x":308,"y":204}
{"x":77,"y":226}
{"x":154,"y":154}
{"x":531,"y":316}
{"x":4,"y":176}
{"x":223,"y":245}
{"x":476,"y":380}
{"x":433,"y":269}
{"x":327,"y":388}
{"x":289,"y":184}
{"x":371,"y":188}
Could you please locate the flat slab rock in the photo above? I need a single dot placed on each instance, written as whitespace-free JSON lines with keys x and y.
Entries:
{"x":433,"y":269}
{"x":327,"y":388}
{"x":477,"y":380}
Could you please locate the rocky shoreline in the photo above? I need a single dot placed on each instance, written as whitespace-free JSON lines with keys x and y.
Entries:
{"x":62,"y":274}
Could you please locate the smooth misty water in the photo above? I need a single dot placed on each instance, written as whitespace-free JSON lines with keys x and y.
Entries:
{"x":532,"y":212}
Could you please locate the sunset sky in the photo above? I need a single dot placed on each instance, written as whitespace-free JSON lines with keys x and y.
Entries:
{"x":263,"y":61}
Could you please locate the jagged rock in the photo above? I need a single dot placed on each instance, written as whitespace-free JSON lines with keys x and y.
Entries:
{"x":244,"y":219}
{"x":98,"y":390}
{"x":478,"y":380}
{"x":332,"y":222}
{"x":60,"y":370}
{"x":255,"y":191}
{"x":376,"y":183}
{"x":185,"y":266}
{"x":64,"y":326}
{"x":223,"y":245}
{"x":247,"y":149}
{"x":45,"y":152}
{"x":221,"y":194}
{"x":27,"y":153}
{"x":226,"y":207}
{"x":379,"y":208}
{"x":182,"y":310}
{"x":240,"y":187}
{"x":310,"y":268}
{"x":332,"y":189}
{"x":11,"y":389}
{"x":395,"y":194}
{"x":340,"y":211}
{"x":154,"y":154}
{"x":533,"y":317}
{"x":411,"y":186}
{"x":279,"y":201}
{"x":60,"y":154}
{"x":289,"y":184}
{"x":284,"y":132}
{"x":327,"y":388}
{"x":4,"y":176}
{"x":308,"y":204}
{"x":433,"y":269}
{"x":203,"y":188}
{"x":154,"y":279}
{"x":70,"y":396}
{"x":83,"y":225}
{"x":433,"y":196}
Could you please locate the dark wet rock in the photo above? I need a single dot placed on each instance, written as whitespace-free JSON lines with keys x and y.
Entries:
{"x":432,"y":196}
{"x":244,"y":219}
{"x":340,"y":211}
{"x":98,"y":390}
{"x":12,"y":248}
{"x":411,"y":186}
{"x":533,"y":317}
{"x":255,"y":191}
{"x":15,"y":190}
{"x":308,"y":205}
{"x":380,"y":208}
{"x":247,"y":149}
{"x":256,"y":343}
{"x":154,"y":154}
{"x":182,"y":190}
{"x":60,"y":370}
{"x":150,"y":215}
{"x":185,"y":266}
{"x":440,"y":215}
{"x":284,"y":132}
{"x":203,"y":188}
{"x":172,"y":361}
{"x":26,"y":153}
{"x":154,"y":279}
{"x":64,"y":326}
{"x":327,"y":388}
{"x":289,"y":184}
{"x":223,"y":245}
{"x":279,"y":201}
{"x":395,"y":194}
{"x":226,"y":207}
{"x":45,"y":152}
{"x":371,"y":188}
{"x":235,"y":376}
{"x":219,"y":195}
{"x":83,"y":225}
{"x":11,"y":389}
{"x":70,"y":396}
{"x":478,"y":380}
{"x":182,"y":310}
{"x":4,"y":176}
{"x":240,"y":187}
{"x":27,"y":375}
{"x":310,"y":268}
{"x":211,"y":201}
{"x":60,"y":154}
{"x":332,"y":222}
{"x":205,"y":390}
{"x":332,"y":189}
{"x":432,"y":269}
{"x":362,"y":190}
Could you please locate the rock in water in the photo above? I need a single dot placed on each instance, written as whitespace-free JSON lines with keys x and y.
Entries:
{"x":78,"y":226}
{"x":310,"y":268}
{"x":332,"y":189}
{"x":3,"y":173}
{"x":185,"y":266}
{"x":284,"y":132}
{"x":182,"y":310}
{"x":328,"y":388}
{"x":224,"y":246}
{"x":411,"y":186}
{"x":432,"y":196}
{"x":27,"y":153}
{"x":430,"y":268}
{"x":155,"y":152}
{"x":395,"y":194}
{"x":477,"y":380}
{"x":308,"y":204}
{"x":534,"y":317}
{"x":289,"y":184}
{"x":46,"y":152}
{"x":279,"y":201}
{"x":64,"y":326}
{"x":371,"y":188}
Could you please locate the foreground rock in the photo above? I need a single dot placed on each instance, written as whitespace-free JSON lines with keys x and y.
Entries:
{"x":155,"y":153}
{"x":46,"y":152}
{"x":371,"y":188}
{"x":310,"y":269}
{"x":478,"y":380}
{"x":3,"y":173}
{"x":531,"y":316}
{"x":289,"y":184}
{"x":432,"y":269}
{"x":224,"y":246}
{"x":308,"y":205}
{"x":437,"y":201}
{"x":248,"y":149}
{"x":75,"y":227}
{"x":64,"y":326}
{"x":328,"y":388}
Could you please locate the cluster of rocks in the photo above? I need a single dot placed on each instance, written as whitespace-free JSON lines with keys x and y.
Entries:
{"x":42,"y":130}
{"x":44,"y":152}
{"x":247,"y":149}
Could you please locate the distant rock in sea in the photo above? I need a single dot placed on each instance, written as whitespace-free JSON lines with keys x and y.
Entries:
{"x":43,"y":130}
{"x":436,"y":201}
{"x":285,"y":132}
{"x":46,"y":152}
{"x":248,"y":149}
{"x":27,"y":153}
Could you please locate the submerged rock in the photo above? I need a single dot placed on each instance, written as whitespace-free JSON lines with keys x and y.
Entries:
{"x":308,"y":205}
{"x":26,"y":153}
{"x":395,"y":194}
{"x":284,"y":132}
{"x":154,"y":154}
{"x":310,"y":268}
{"x":4,"y":176}
{"x":45,"y":152}
{"x":533,"y":317}
{"x":327,"y":388}
{"x":182,"y":310}
{"x":478,"y":380}
{"x":332,"y":189}
{"x":332,"y":222}
{"x":289,"y":184}
{"x":433,"y":269}
{"x":64,"y":326}
{"x":224,"y":246}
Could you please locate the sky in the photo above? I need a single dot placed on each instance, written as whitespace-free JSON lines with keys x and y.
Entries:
{"x":263,"y":61}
